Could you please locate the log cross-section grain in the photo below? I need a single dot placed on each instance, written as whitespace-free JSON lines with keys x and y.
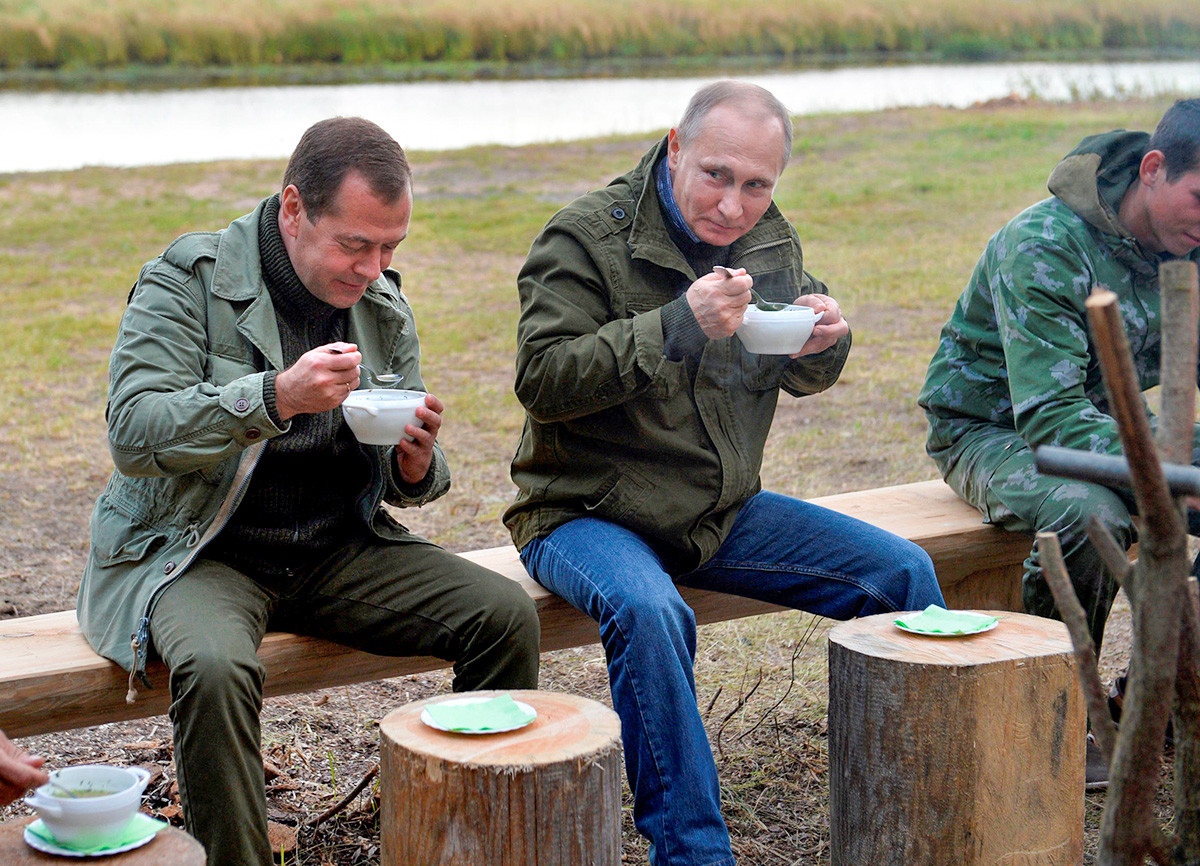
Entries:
{"x":965,"y":750}
{"x":548,"y":794}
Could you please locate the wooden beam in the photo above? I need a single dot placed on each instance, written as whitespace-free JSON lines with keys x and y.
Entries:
{"x":51,"y":680}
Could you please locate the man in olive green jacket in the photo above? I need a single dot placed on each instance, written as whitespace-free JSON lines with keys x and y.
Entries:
{"x":646,"y":418}
{"x":241,"y":500}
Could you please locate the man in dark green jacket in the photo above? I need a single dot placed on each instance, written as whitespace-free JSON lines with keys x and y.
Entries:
{"x":646,"y":418}
{"x":241,"y":499}
{"x":1015,"y":367}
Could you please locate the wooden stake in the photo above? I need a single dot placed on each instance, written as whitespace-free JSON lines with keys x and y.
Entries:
{"x":1180,"y":311}
{"x":1128,"y":827}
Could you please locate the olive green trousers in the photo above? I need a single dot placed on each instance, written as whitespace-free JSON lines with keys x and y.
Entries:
{"x":411,"y":598}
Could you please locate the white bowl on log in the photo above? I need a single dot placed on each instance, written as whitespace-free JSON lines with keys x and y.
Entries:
{"x":89,"y":805}
{"x":777,"y":332}
{"x":378,"y":416}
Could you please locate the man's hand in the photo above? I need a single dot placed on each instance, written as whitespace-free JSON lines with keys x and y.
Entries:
{"x":318,"y":381}
{"x":718,"y":302}
{"x":414,"y":458}
{"x":18,"y":771}
{"x":829,"y":330}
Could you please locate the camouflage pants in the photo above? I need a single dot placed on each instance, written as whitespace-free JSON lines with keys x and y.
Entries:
{"x":996,"y":473}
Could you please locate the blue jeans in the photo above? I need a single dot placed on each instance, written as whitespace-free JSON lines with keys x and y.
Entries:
{"x":781,"y":550}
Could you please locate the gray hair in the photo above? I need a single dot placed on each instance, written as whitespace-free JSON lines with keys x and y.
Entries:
{"x":744,"y":94}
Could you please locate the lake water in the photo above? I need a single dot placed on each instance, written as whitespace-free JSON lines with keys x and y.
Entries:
{"x":70,"y":130}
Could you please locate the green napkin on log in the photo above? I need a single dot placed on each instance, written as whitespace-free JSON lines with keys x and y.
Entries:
{"x":938,"y":620}
{"x":138,"y":828}
{"x":493,"y":714}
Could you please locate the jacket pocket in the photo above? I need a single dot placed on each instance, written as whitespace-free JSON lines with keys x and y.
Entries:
{"x":115,"y":539}
{"x":621,"y":495}
{"x":762,"y":372}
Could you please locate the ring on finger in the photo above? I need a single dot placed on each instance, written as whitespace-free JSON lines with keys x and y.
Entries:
{"x":349,"y":387}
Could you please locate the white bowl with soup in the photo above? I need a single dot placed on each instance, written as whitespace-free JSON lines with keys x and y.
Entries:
{"x":777,"y":332}
{"x":89,"y":805}
{"x":378,"y":416}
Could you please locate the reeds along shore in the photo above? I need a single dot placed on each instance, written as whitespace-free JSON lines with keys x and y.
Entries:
{"x":69,"y":34}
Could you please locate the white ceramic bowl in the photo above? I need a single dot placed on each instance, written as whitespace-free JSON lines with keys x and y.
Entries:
{"x":111,"y":796}
{"x":777,"y":332}
{"x":378,"y":416}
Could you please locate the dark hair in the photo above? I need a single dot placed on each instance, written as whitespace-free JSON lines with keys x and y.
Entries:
{"x":1178,"y":137}
{"x":331,"y":149}
{"x":741,"y":92}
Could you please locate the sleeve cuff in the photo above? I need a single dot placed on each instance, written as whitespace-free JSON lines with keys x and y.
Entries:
{"x":682,"y":336}
{"x":269,"y":398}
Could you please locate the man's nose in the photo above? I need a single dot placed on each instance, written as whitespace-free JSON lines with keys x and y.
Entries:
{"x":370,"y":265}
{"x":730,"y":205}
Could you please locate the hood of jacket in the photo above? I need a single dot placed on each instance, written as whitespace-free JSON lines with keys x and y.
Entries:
{"x":1092,"y":179}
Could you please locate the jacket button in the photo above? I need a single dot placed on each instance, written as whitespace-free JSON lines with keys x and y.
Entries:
{"x":253,"y":433}
{"x":618,"y":213}
{"x":169,"y":567}
{"x":241,"y":404}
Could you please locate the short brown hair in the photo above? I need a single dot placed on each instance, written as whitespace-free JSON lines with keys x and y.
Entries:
{"x":331,"y":149}
{"x":1177,"y":136}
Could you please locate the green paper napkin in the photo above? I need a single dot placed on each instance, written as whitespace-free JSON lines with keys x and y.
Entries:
{"x":139,"y":828}
{"x":938,"y":620}
{"x":500,"y":712}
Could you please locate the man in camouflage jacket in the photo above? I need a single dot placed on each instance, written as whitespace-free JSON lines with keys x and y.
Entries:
{"x":1016,"y":368}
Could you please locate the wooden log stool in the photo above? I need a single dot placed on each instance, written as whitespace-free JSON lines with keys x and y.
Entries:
{"x":965,"y":750}
{"x":169,"y":847}
{"x":547,"y":794}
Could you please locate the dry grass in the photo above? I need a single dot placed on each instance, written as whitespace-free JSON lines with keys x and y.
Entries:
{"x":81,"y":34}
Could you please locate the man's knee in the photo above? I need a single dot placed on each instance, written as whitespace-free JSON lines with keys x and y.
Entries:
{"x":216,"y":677}
{"x":1069,"y":508}
{"x":511,"y":615}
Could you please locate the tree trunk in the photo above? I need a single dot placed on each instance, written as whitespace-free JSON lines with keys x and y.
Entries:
{"x":966,"y":750}
{"x":548,"y":794}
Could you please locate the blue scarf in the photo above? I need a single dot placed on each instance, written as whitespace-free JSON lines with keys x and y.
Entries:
{"x":666,"y":195}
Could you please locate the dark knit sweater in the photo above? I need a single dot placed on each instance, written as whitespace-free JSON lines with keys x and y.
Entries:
{"x":300,"y":505}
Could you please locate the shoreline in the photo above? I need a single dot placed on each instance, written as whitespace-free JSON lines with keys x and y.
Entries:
{"x":148,"y":78}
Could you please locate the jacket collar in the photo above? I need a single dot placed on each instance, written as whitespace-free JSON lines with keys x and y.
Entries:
{"x":237,"y":277}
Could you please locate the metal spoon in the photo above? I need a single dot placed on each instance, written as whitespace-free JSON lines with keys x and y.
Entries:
{"x":766,"y":306}
{"x":381,"y":378}
{"x":60,"y":791}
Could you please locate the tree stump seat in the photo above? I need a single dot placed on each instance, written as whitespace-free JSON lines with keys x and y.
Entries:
{"x":966,"y":750}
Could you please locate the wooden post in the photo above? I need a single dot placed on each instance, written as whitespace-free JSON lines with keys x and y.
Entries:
{"x":548,"y":794}
{"x":965,"y":750}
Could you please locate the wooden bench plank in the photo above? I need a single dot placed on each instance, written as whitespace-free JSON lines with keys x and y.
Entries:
{"x":51,"y":680}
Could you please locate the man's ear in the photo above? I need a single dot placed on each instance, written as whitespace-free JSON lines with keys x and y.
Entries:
{"x":1153,"y":168}
{"x":673,"y":149}
{"x":290,"y":210}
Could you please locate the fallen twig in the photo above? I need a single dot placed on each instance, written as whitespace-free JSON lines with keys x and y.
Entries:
{"x":345,"y":801}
